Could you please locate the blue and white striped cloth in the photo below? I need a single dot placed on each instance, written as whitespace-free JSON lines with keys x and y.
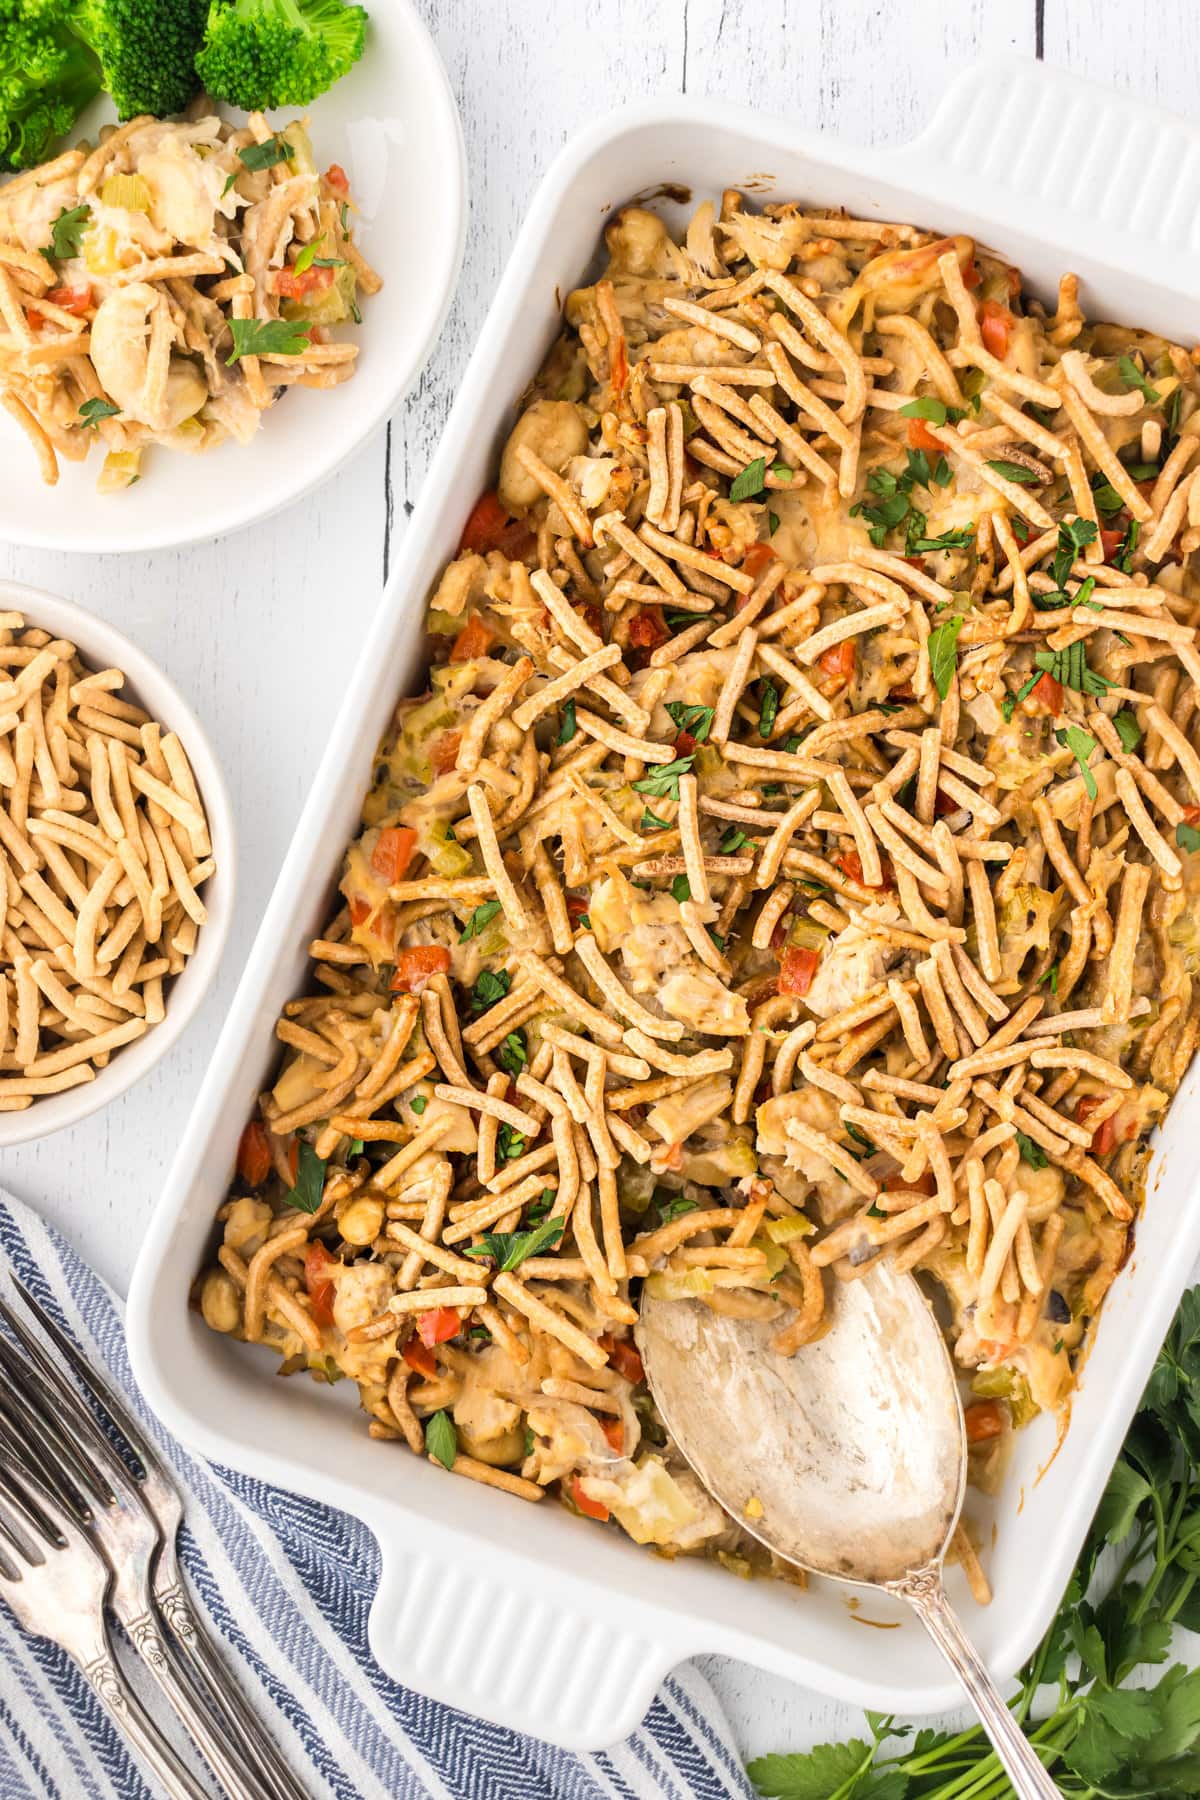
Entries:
{"x":287,"y":1586}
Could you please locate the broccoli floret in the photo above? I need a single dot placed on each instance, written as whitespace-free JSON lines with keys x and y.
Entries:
{"x":259,"y":54}
{"x":147,"y":50}
{"x":47,"y":77}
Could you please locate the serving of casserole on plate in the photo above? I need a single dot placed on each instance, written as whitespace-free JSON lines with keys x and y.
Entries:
{"x":787,"y":866}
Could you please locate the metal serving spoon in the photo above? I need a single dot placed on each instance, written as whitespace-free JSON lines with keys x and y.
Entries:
{"x":854,"y":1448}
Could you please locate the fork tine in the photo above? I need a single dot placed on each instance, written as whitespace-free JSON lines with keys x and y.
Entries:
{"x":31,"y":1412}
{"x":100,"y":1391}
{"x":67,"y":1397}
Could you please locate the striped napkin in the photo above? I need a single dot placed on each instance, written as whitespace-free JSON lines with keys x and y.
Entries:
{"x":287,"y":1585}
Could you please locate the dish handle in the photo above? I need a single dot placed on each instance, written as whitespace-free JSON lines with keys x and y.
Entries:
{"x":1040,"y":147}
{"x":495,"y":1635}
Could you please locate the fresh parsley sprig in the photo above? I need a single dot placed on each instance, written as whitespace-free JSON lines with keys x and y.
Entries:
{"x":1102,"y":1736}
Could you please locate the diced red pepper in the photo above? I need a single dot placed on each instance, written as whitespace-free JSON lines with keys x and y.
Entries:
{"x":685,"y":744}
{"x":393,"y":852}
{"x":984,"y":1420}
{"x":1111,"y":538}
{"x":473,"y":640}
{"x":297,"y":285}
{"x":797,"y":968}
{"x":338,"y":179}
{"x":904,"y":692}
{"x":840,"y":660}
{"x":1104,"y":1137}
{"x":417,"y":964}
{"x":436,"y":1326}
{"x":920,"y":437}
{"x":577,"y":905}
{"x":850,"y":863}
{"x":293,"y":1161}
{"x":1191,"y":815}
{"x":756,"y":559}
{"x":69,"y":299}
{"x":443,"y":752}
{"x":254,"y":1154}
{"x":995,"y":328}
{"x":320,"y":1289}
{"x":614,"y":1433}
{"x":1049,"y":691}
{"x":594,"y":1509}
{"x":490,"y":526}
{"x":971,"y":273}
{"x":420,"y":1357}
{"x":647,"y":629}
{"x":624,"y":1358}
{"x":924,"y":1184}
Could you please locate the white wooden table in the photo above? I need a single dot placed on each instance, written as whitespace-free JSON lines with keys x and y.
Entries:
{"x":261,"y":629}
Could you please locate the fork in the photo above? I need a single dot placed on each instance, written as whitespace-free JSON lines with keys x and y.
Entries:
{"x":136,"y":1521}
{"x":55,"y":1583}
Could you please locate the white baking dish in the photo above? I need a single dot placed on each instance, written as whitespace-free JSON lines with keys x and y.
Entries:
{"x":524,"y":1614}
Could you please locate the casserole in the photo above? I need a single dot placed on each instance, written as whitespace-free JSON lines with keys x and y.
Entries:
{"x":575,"y":1657}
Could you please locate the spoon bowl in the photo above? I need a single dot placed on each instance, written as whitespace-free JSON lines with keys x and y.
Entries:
{"x":848,"y":1458}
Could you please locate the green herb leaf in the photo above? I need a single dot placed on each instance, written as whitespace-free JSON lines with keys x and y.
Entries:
{"x":509,"y":1144}
{"x":267,"y":337}
{"x":1074,"y":536}
{"x":651,"y":822}
{"x":695,"y":720}
{"x":751,"y":481}
{"x":354,"y":1147}
{"x":1081,"y":744}
{"x":820,"y":1774}
{"x":482,"y":916}
{"x":1013,"y":471}
{"x":308,"y":255}
{"x":927,"y":407}
{"x":674,"y":1208}
{"x":441,"y":1439}
{"x":768,"y":706}
{"x":943,"y":653}
{"x":567,"y":729}
{"x":490,"y":985}
{"x":509,"y":1249}
{"x":662,"y":782}
{"x":949,"y":540}
{"x":1128,"y":730}
{"x":1107,"y":499}
{"x":265,"y":155}
{"x":784,"y":473}
{"x":513,"y":1054}
{"x":1031,"y":1153}
{"x":681,"y":889}
{"x":537,"y":1209}
{"x":92,"y":411}
{"x":1132,"y":376}
{"x":229,"y":182}
{"x":66,"y":232}
{"x":734,"y":840}
{"x":1071,"y":668}
{"x":772,"y":523}
{"x":418,"y":1103}
{"x":1187,"y":837}
{"x":310,"y":1179}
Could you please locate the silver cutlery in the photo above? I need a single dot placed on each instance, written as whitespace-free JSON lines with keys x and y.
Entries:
{"x":133,"y":1514}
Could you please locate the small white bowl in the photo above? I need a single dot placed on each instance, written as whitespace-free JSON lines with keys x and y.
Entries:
{"x":101,"y":647}
{"x":393,"y":125}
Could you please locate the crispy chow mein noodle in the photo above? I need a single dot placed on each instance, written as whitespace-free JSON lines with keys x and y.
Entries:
{"x":167,"y":287}
{"x":790,"y":865}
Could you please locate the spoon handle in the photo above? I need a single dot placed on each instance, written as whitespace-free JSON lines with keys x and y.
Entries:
{"x":925,"y":1593}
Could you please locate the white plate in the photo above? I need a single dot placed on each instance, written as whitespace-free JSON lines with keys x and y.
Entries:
{"x":522,"y":1613}
{"x":393,"y":125}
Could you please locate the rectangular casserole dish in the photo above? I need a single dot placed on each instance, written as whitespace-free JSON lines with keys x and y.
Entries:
{"x":523,"y":1614}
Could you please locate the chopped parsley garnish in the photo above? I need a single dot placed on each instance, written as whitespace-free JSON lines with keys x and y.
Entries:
{"x":512,"y":1054}
{"x":441,"y":1439}
{"x":1014,"y":471}
{"x":733,"y":841}
{"x":772,"y":523}
{"x":509,"y":1143}
{"x":1187,"y":837}
{"x":1127,"y":546}
{"x":265,"y":155}
{"x":1132,"y":376}
{"x":92,"y":411}
{"x":483,"y":915}
{"x":1107,"y":499}
{"x":66,"y":232}
{"x":354,"y":1147}
{"x":675,"y":1208}
{"x":1128,"y":730}
{"x":1080,"y":743}
{"x":695,"y":720}
{"x":781,"y":469}
{"x":567,"y":729}
{"x":1071,"y":668}
{"x":537,"y":1209}
{"x":651,"y":822}
{"x":943,"y":653}
{"x":1051,"y":976}
{"x":267,"y":337}
{"x":305,"y":1196}
{"x":681,"y":889}
{"x":490,"y":985}
{"x":1031,"y":1153}
{"x":751,"y":481}
{"x":509,"y":1249}
{"x":768,"y":707}
{"x":949,"y":540}
{"x":662,"y":783}
{"x":229,"y":181}
{"x":418,"y":1104}
{"x":934,"y":410}
{"x":860,"y":1138}
{"x":1074,"y":535}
